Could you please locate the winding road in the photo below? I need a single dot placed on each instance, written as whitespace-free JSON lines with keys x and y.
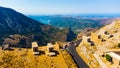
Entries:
{"x":78,"y":60}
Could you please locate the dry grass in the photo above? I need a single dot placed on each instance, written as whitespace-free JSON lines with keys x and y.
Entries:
{"x":25,"y":59}
{"x":91,"y":62}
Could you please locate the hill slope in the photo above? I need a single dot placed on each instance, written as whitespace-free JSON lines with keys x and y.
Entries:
{"x":12,"y":22}
{"x":100,"y":43}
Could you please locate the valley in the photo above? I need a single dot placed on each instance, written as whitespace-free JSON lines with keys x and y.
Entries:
{"x":77,"y":23}
{"x":58,"y":41}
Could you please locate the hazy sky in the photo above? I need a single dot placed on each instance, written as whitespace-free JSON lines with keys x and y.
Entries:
{"x":63,"y":6}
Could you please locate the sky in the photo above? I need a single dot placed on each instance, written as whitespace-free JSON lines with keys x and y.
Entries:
{"x":63,"y":6}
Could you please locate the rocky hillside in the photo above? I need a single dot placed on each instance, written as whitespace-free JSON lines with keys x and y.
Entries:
{"x":110,"y":34}
{"x":13,"y":22}
{"x":100,"y":42}
{"x":105,"y":38}
{"x":86,"y":32}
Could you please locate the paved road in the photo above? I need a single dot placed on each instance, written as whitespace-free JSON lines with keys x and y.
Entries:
{"x":78,"y":60}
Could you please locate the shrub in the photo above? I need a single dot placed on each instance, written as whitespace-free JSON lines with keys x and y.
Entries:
{"x":103,"y":55}
{"x":119,"y":45}
{"x":108,"y":58}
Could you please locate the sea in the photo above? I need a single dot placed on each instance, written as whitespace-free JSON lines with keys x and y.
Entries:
{"x":46,"y":18}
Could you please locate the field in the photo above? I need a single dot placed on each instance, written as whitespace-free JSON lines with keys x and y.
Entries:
{"x":24,"y":58}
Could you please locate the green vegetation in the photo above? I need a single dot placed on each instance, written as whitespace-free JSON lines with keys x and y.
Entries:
{"x":51,"y":35}
{"x":24,"y":30}
{"x":76,"y":23}
{"x":108,"y":58}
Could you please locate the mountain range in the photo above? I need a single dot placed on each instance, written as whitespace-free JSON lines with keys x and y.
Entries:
{"x":77,"y":23}
{"x":15,"y":26}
